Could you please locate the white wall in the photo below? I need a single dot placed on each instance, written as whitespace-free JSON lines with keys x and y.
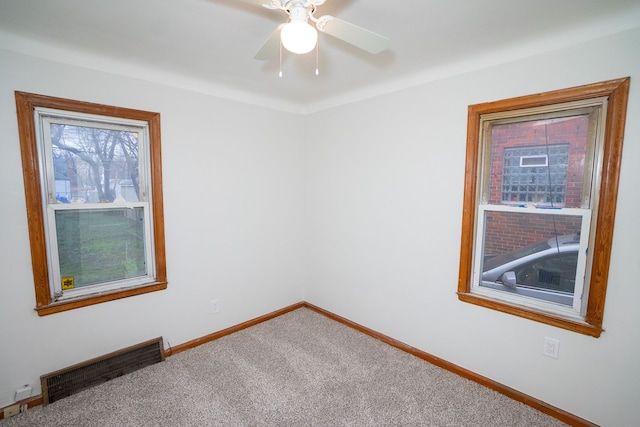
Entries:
{"x":384,"y":204}
{"x":233,"y":193}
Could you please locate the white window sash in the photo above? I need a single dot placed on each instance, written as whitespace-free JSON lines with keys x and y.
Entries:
{"x":44,"y":117}
{"x":578,"y":309}
{"x":54,"y":259}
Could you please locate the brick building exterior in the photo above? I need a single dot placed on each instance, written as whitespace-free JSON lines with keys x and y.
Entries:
{"x":537,"y":163}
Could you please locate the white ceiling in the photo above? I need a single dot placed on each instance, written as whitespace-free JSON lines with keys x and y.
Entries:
{"x":208,"y":45}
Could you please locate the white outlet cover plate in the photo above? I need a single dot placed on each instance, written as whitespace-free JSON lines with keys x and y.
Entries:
{"x":551,"y":347}
{"x":215,"y":306}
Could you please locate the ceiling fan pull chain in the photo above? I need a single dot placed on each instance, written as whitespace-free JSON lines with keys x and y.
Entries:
{"x":317,"y":49}
{"x":280,"y":73}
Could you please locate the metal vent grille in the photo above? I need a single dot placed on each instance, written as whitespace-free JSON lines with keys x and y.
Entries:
{"x":74,"y":379}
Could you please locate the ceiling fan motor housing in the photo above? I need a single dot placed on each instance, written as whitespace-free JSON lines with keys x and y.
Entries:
{"x":298,"y":12}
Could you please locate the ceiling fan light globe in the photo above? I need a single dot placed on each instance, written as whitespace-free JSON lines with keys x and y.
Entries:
{"x":298,"y":37}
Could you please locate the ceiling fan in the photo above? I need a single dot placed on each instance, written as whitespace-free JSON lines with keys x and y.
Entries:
{"x":298,"y":36}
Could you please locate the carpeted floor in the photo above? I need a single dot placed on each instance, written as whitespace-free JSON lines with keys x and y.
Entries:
{"x":299,"y":369}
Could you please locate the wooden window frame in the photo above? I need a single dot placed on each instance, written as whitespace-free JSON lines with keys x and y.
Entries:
{"x":617,"y":93}
{"x":26,"y":103}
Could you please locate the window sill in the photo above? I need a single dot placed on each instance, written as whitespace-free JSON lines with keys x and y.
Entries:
{"x":85,"y":301}
{"x":531,"y":314}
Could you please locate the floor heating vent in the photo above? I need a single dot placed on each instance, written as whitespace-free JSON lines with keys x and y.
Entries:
{"x":74,"y":379}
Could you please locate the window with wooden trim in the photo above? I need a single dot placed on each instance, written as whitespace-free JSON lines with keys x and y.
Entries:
{"x":539,"y":203}
{"x":93,"y":188}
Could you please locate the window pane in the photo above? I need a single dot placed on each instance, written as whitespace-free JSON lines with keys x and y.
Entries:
{"x":535,"y":175}
{"x":94,"y":165}
{"x":539,"y":162}
{"x":530,"y":254}
{"x":100,"y":245}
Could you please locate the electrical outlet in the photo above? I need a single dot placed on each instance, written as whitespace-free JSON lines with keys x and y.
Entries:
{"x":215,"y":306}
{"x":551,"y":347}
{"x":12,"y":410}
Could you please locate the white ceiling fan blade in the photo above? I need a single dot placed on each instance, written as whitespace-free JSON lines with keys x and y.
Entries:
{"x":271,"y":47}
{"x":350,"y":33}
{"x":273,"y":5}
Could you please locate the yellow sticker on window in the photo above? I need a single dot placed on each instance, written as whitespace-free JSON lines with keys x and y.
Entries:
{"x":67,"y":283}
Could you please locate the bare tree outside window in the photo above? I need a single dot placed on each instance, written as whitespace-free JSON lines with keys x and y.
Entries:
{"x":99,"y":164}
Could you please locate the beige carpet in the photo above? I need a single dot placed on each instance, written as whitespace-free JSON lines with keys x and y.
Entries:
{"x":299,"y":369}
